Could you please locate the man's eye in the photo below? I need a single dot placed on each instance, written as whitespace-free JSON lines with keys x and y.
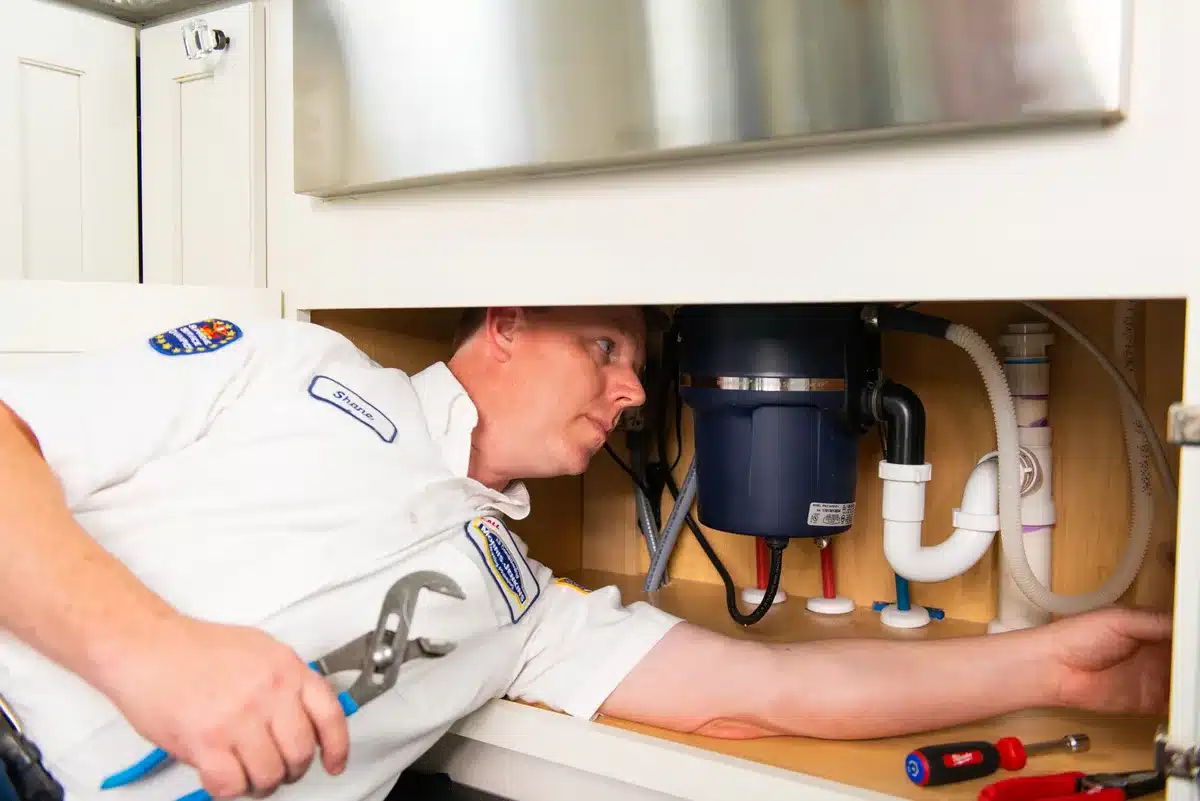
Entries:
{"x":606,"y":348}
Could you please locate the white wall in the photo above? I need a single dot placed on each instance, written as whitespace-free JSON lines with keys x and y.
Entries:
{"x":938,"y":219}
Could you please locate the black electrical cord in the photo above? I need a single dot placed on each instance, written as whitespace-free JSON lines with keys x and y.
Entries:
{"x":658,"y":385}
{"x":776,"y":546}
{"x":628,"y":470}
{"x":647,"y":472}
{"x":653,"y":469}
{"x":678,"y":428}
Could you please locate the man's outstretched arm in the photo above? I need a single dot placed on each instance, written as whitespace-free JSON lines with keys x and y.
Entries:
{"x":697,"y":681}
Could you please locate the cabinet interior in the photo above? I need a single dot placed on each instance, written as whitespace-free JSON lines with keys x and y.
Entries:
{"x":588,"y":522}
{"x":585,"y":526}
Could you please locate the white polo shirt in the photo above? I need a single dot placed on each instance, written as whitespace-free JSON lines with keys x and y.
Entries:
{"x":273,"y":475}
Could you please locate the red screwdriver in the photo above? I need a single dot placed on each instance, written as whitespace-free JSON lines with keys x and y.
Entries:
{"x":933,"y":765}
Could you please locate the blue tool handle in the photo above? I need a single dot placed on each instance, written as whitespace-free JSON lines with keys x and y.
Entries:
{"x":196,"y":795}
{"x":349,"y":705}
{"x":136,"y":771}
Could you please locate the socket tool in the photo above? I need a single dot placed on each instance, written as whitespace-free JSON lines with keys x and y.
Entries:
{"x":934,"y":765}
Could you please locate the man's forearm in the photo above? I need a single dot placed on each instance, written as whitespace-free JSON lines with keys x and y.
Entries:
{"x":856,"y":689}
{"x":699,"y":681}
{"x":60,"y":592}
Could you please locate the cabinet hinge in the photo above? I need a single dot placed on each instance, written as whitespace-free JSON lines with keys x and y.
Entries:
{"x":1183,"y":424}
{"x":1175,"y":761}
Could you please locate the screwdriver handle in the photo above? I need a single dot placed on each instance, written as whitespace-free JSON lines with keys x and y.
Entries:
{"x":934,"y":765}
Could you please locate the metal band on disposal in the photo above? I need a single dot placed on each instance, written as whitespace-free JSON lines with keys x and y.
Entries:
{"x":762,"y":383}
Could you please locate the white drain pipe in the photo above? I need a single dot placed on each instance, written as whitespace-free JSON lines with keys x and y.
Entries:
{"x":1027,"y":369}
{"x":975,"y":523}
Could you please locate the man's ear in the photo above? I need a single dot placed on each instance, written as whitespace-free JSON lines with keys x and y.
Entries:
{"x":500,"y":328}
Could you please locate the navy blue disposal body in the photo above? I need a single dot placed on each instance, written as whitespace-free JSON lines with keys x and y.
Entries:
{"x":776,"y":394}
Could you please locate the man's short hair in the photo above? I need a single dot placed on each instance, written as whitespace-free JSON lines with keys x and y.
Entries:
{"x":472,"y":318}
{"x":468,"y":323}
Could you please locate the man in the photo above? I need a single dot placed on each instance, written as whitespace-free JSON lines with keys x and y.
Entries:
{"x":188,"y":520}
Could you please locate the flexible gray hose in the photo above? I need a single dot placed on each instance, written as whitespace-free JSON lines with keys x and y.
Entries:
{"x":645,"y":521}
{"x":641,"y":505}
{"x":670,"y":532}
{"x":646,"y":524}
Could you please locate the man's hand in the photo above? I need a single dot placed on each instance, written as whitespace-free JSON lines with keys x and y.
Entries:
{"x":234,"y":703}
{"x":1114,"y":660}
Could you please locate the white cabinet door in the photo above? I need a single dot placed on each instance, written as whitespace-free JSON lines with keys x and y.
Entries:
{"x":203,"y":157}
{"x":68,"y":144}
{"x":1184,"y":728}
{"x":42,"y":320}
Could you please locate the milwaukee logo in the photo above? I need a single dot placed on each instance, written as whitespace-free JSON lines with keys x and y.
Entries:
{"x":963,"y":758}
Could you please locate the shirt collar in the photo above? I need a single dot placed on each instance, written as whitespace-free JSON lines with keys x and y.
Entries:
{"x":451,"y":417}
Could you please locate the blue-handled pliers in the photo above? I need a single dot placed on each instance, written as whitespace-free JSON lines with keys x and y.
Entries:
{"x":377,"y":655}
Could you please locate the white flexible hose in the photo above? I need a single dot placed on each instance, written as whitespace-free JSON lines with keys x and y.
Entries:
{"x":1011,"y":533}
{"x":1137,"y":451}
{"x":1157,"y":451}
{"x":1123,"y":314}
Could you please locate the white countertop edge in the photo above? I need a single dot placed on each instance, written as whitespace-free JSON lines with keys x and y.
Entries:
{"x":655,"y":764}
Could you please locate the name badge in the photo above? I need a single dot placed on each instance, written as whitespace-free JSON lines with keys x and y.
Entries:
{"x":337,"y":394}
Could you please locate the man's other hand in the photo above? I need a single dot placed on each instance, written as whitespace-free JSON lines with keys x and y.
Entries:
{"x":234,"y":703}
{"x":1114,"y":660}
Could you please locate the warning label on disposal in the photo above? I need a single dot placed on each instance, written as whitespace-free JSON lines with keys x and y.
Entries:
{"x":830,"y":514}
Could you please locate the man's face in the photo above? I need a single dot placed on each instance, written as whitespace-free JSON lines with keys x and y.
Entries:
{"x":572,"y":371}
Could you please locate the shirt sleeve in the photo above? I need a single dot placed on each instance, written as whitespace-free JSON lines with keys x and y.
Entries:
{"x":583,"y":644}
{"x":100,"y":415}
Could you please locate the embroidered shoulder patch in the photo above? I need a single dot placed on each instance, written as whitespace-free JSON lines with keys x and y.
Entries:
{"x":337,"y":394}
{"x":506,"y":564}
{"x":204,"y":336}
{"x":566,"y":582}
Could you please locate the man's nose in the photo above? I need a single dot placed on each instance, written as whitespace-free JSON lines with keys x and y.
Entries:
{"x":629,"y":390}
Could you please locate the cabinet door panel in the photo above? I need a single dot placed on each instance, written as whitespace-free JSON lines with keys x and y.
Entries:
{"x":43,"y":320}
{"x":203,"y":160}
{"x":68,"y":149}
{"x":1185,"y":652}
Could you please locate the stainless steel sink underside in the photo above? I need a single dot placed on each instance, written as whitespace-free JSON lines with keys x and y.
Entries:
{"x":140,"y":11}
